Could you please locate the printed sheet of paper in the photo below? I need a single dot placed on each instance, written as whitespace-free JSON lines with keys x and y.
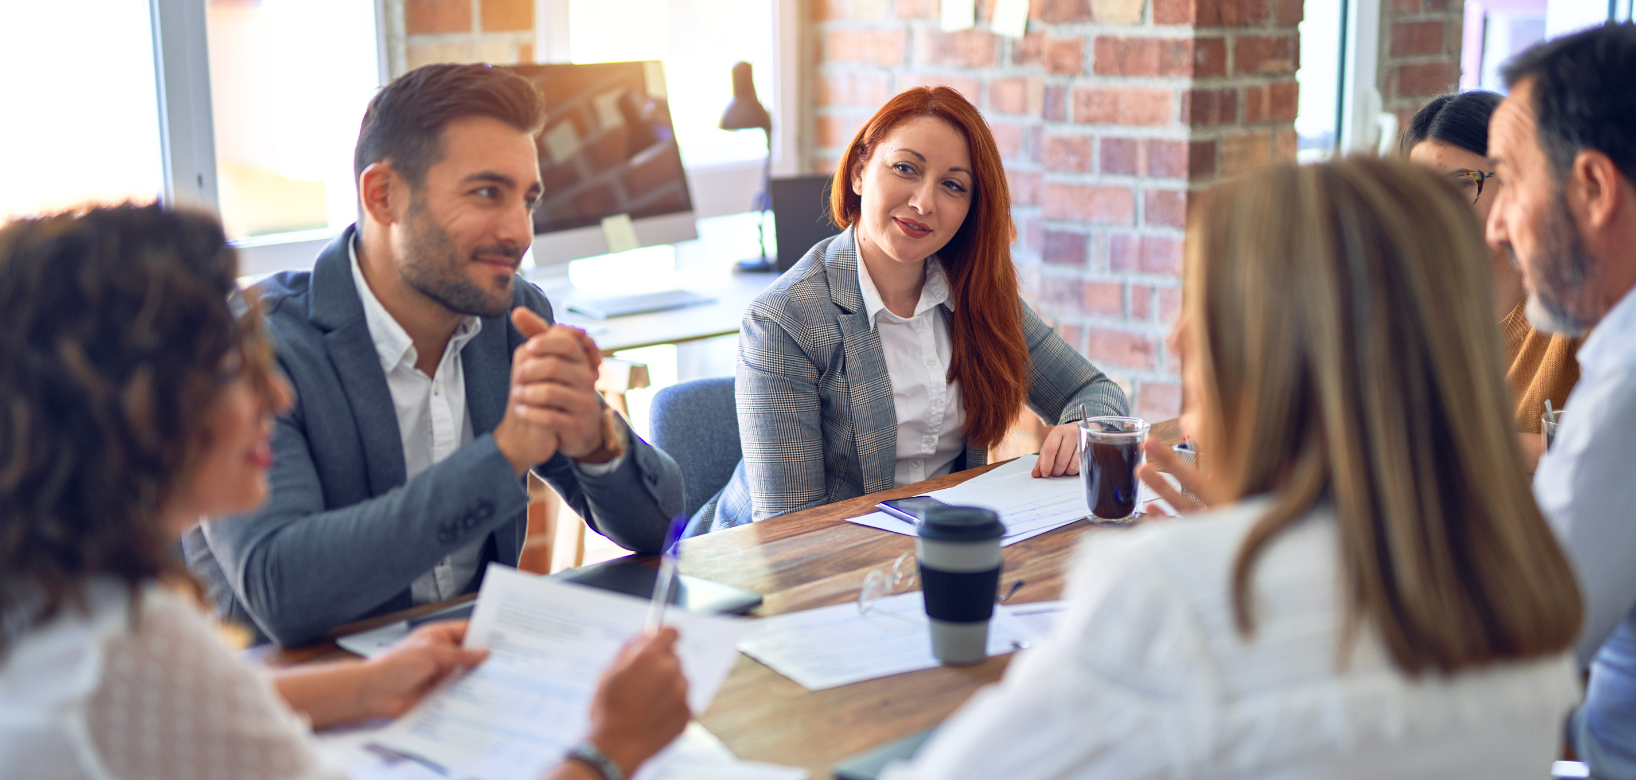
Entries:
{"x":1010,"y":18}
{"x":833,"y":646}
{"x":517,"y":714}
{"x":958,"y":15}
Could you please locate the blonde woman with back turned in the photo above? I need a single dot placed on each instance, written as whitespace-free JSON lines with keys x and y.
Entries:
{"x":1376,"y":594}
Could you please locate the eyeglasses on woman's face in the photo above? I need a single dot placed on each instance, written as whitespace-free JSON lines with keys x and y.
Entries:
{"x":1471,"y":182}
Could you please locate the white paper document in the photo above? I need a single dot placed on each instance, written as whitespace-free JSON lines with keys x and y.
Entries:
{"x":1010,"y":18}
{"x":833,"y":646}
{"x":516,"y":715}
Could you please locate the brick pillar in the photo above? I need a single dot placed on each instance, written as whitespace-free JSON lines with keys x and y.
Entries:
{"x":495,"y":31}
{"x":1420,"y":53}
{"x":1111,"y":115}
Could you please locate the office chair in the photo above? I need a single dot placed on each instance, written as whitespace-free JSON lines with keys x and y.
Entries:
{"x":697,"y":424}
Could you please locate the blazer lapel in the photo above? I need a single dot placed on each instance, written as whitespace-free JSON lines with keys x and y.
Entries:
{"x":486,"y":362}
{"x":874,"y":418}
{"x":336,"y":308}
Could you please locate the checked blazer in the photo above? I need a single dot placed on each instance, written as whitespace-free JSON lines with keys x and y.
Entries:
{"x":815,"y":401}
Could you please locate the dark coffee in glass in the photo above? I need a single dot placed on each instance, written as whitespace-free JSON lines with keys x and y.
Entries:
{"x":1110,"y":451}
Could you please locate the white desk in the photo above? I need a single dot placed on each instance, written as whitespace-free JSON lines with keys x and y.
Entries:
{"x":703,"y":265}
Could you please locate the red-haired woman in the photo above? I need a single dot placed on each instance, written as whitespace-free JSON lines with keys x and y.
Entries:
{"x":900,"y":350}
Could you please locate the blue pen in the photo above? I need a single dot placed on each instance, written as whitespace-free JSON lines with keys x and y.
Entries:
{"x":667,"y":574}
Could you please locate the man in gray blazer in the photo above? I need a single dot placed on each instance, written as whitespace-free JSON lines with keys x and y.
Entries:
{"x":420,"y":404}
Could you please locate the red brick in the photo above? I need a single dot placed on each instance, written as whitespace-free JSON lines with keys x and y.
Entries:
{"x":1205,"y":107}
{"x":1123,"y":106}
{"x":1063,"y":248}
{"x":429,"y":17}
{"x":1117,"y":56}
{"x":1105,"y":299}
{"x":1165,"y":159}
{"x":1209,"y":57}
{"x":1056,"y":103}
{"x":1141,"y":301}
{"x":1422,"y":37}
{"x":1246,"y":151}
{"x":1073,"y":334}
{"x":1264,"y":54}
{"x":1008,"y":96}
{"x":969,"y":87}
{"x":966,"y":48}
{"x":1071,"y":153}
{"x":1059,"y":11}
{"x":1034,"y":232}
{"x":1201,"y":158}
{"x":917,"y":9}
{"x":525,"y":53}
{"x":1034,"y":141}
{"x":1283,"y":101}
{"x":1403,"y":7}
{"x":1230,"y":13}
{"x":1025,"y":186}
{"x":1285,"y":144}
{"x":507,"y":15}
{"x":1255,"y":105}
{"x":1008,"y":137}
{"x":868,"y":89}
{"x":1167,"y":208}
{"x":1145,"y":254}
{"x":1173,"y":11}
{"x":836,"y":131}
{"x":1109,"y":347}
{"x":1289,"y":12}
{"x":1061,"y":293}
{"x":878,"y":47}
{"x":1158,"y":400}
{"x":1170,"y":304}
{"x":1029,"y":50}
{"x":1121,"y":156}
{"x":1425,"y":80}
{"x":1065,"y":56}
{"x":1090,"y":204}
{"x":825,"y":10}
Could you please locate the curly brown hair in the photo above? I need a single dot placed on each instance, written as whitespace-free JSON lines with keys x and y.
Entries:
{"x":115,"y":327}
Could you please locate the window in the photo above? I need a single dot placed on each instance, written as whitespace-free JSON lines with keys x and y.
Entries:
{"x":699,"y":41}
{"x":1497,"y":30}
{"x":90,"y":131}
{"x":289,"y":81}
{"x":1318,"y":117}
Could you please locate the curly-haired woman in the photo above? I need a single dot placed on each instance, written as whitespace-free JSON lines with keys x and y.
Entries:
{"x":132,"y":403}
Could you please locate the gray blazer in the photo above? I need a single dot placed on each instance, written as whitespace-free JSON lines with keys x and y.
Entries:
{"x":815,"y":401}
{"x":343,"y":533}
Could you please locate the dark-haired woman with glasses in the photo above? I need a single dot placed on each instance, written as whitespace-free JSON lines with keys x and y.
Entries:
{"x":1450,"y":134}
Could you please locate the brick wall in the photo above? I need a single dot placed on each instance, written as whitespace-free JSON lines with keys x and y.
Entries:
{"x":426,"y":31}
{"x":1420,"y":53}
{"x":1111,"y":115}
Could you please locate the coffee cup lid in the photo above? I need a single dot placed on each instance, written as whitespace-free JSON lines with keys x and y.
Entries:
{"x":961,"y":524}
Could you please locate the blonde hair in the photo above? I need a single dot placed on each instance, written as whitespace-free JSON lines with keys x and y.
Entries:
{"x":1341,"y":317}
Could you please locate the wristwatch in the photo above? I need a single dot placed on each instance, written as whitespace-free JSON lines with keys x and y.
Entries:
{"x":588,"y":754}
{"x":613,"y":440}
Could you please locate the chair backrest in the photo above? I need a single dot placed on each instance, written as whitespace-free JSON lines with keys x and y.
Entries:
{"x":697,"y":423}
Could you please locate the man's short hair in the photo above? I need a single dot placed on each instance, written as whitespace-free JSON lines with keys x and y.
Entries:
{"x":404,"y":122}
{"x":1584,"y":94}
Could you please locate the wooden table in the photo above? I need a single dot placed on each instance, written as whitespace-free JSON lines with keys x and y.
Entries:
{"x":813,"y":559}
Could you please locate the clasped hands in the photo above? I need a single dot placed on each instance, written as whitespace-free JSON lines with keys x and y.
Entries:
{"x":553,"y":405}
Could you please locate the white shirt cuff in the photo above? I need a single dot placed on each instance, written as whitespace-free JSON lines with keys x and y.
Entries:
{"x":601,"y":469}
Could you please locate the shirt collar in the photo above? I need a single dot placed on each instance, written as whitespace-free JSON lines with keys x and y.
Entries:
{"x":1613,"y":343}
{"x":392,"y":343}
{"x":933,"y":292}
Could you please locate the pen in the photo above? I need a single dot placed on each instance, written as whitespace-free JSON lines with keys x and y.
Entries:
{"x":667,"y":574}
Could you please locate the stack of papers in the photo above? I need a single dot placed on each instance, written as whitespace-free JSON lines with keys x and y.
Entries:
{"x":833,"y":646}
{"x":515,"y":716}
{"x":1028,"y":506}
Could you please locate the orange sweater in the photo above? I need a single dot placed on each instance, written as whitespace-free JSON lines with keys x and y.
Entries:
{"x":1538,"y":366}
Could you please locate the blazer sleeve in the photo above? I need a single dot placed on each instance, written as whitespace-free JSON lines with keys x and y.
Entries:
{"x":779,"y":419}
{"x":1060,"y":379}
{"x":302,"y":569}
{"x":631,"y":505}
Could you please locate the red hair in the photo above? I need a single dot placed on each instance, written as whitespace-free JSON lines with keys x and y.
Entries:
{"x":990,"y":354}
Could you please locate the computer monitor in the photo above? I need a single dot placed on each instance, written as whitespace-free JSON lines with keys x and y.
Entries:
{"x":608,"y":148}
{"x":800,"y":215}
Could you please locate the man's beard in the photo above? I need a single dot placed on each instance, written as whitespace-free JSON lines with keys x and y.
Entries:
{"x":1557,"y":303}
{"x":434,"y":266}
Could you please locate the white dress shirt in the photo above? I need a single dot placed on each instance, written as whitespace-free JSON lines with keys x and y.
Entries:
{"x":432,"y":420}
{"x":1586,"y":487}
{"x":931,"y":419}
{"x":1145,"y":676}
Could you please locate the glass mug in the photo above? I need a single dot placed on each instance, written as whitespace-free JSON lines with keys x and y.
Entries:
{"x":1110,"y":449}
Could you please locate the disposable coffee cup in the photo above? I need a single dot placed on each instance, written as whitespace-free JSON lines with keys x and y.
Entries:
{"x":958,"y":550}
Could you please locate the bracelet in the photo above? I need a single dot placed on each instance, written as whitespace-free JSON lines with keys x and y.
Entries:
{"x":613,"y":440}
{"x":589,"y":755}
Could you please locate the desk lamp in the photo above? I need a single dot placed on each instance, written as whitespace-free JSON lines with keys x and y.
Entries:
{"x":743,"y":112}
